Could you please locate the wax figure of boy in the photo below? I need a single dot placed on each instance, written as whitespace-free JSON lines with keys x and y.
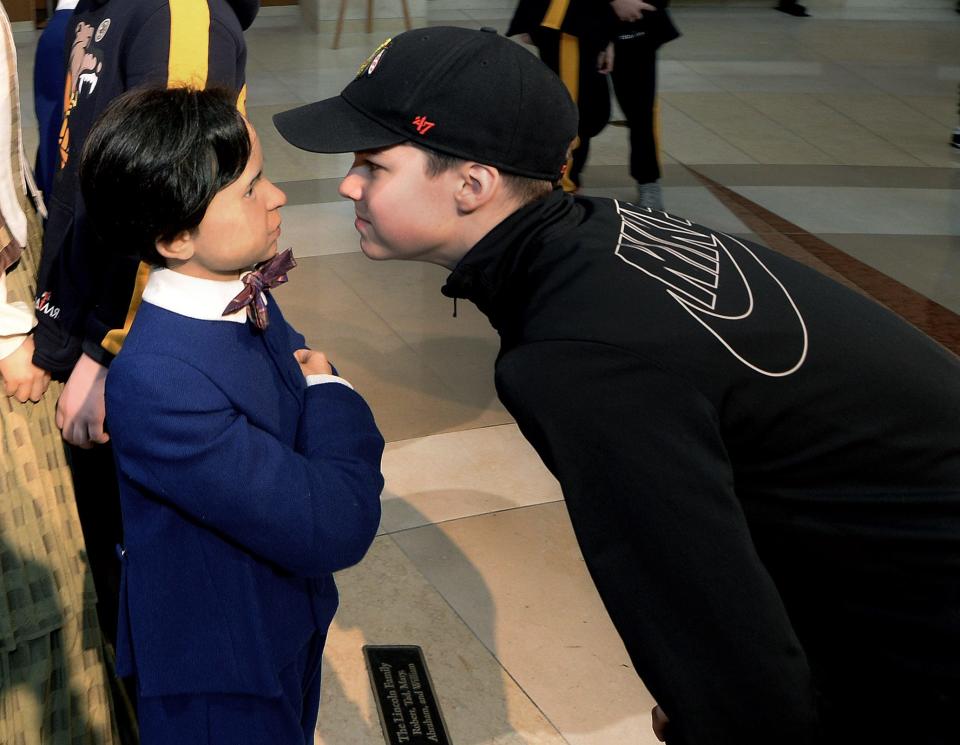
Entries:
{"x":249,"y":471}
{"x":85,"y":301}
{"x":762,"y":468}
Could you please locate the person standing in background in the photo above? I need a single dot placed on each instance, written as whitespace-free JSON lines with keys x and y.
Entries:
{"x":53,"y":681}
{"x":584,"y":43}
{"x":49,"y":76}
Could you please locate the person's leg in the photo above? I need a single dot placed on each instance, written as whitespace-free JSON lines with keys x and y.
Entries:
{"x":635,"y":84}
{"x":577,"y":68}
{"x":98,"y":505}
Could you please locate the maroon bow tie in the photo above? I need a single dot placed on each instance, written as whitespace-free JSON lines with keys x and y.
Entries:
{"x":269,"y":274}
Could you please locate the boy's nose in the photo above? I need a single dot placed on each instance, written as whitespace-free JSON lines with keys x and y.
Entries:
{"x":278,"y":197}
{"x":350,"y":186}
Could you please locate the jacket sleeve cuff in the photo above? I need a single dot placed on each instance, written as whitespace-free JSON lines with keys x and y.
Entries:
{"x":97,"y":353}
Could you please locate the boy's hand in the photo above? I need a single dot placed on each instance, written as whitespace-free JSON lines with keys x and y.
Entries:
{"x":313,"y":362}
{"x":80,"y":410}
{"x":660,"y":722}
{"x":631,"y":10}
{"x":21,"y":378}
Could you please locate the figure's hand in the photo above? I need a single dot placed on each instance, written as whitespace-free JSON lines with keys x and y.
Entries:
{"x":313,"y":362}
{"x":21,"y":378}
{"x":525,"y":39}
{"x":660,"y":722}
{"x":80,"y":410}
{"x":605,"y":60}
{"x":631,"y":10}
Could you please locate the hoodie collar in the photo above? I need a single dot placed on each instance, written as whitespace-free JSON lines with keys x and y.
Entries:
{"x":490,"y":272}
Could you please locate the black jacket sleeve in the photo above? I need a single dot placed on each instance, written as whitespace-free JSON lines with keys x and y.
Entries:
{"x":650,"y":491}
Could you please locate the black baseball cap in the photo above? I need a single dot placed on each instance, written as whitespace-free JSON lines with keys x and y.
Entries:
{"x":471,"y":94}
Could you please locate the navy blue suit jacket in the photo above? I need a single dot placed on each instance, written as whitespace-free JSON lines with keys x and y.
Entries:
{"x":242,"y":491}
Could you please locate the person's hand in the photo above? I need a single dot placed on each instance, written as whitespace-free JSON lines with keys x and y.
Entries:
{"x":660,"y":722}
{"x":605,"y":60}
{"x":631,"y":10}
{"x":313,"y":362}
{"x":21,"y":378}
{"x":80,"y":410}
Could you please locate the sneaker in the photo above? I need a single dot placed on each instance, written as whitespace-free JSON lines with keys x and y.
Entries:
{"x":792,"y":8}
{"x":649,"y":195}
{"x":955,"y":140}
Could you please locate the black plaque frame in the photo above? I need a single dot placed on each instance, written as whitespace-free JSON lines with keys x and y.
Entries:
{"x":409,"y":711}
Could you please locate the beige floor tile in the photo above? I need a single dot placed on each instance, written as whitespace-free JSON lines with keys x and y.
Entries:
{"x":741,"y":125}
{"x":843,"y":139}
{"x":897,"y":122}
{"x":461,"y":474}
{"x":688,"y":141}
{"x":385,"y":600}
{"x":409,"y":398}
{"x":518,"y":580}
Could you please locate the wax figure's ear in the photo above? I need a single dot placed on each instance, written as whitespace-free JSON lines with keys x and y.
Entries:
{"x":480,"y":185}
{"x":179,"y":248}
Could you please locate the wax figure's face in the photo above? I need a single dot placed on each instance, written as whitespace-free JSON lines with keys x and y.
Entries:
{"x":241,"y":226}
{"x":401,"y":212}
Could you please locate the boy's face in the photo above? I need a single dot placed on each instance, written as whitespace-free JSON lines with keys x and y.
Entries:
{"x":402,"y":213}
{"x":241,"y":226}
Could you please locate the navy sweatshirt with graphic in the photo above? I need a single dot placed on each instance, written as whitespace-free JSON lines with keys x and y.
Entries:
{"x":762,"y":466}
{"x":86,"y":294}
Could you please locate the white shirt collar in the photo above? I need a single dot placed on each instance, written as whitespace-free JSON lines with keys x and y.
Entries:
{"x":203,"y":299}
{"x":67,"y":4}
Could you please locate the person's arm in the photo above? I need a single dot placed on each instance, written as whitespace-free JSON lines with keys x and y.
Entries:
{"x":310,"y":509}
{"x":650,"y":491}
{"x":21,"y":378}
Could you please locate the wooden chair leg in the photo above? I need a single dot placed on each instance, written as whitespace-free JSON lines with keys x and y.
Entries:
{"x":369,"y":16}
{"x":340,"y":15}
{"x":406,"y":14}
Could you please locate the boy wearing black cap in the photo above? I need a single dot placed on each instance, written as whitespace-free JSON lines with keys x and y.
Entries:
{"x":767,"y":498}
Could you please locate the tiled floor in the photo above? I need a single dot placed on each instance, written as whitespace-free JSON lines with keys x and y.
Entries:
{"x":837,"y":125}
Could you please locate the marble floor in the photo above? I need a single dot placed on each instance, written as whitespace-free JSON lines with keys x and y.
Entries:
{"x":826,"y":137}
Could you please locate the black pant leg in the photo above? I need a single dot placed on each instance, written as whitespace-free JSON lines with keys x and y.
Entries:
{"x":635,"y":85}
{"x":98,"y":505}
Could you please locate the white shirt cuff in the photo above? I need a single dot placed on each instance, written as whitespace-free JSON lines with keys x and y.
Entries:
{"x":325,"y":378}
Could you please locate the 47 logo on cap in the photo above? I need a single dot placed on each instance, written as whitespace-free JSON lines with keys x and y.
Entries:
{"x":422,"y":125}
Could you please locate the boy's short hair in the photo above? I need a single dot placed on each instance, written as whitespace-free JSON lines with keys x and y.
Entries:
{"x":521,"y":188}
{"x":153,"y":162}
{"x":471,"y":94}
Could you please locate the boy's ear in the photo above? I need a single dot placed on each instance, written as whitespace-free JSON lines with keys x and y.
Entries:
{"x":480,"y":184}
{"x":179,"y":249}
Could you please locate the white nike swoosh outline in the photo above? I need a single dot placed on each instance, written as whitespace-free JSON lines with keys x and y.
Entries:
{"x":763,"y":289}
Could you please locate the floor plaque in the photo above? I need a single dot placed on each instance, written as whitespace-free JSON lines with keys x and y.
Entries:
{"x":409,"y":712}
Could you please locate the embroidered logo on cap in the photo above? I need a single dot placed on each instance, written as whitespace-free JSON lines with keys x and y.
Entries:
{"x":371,"y":62}
{"x":423,"y":126}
